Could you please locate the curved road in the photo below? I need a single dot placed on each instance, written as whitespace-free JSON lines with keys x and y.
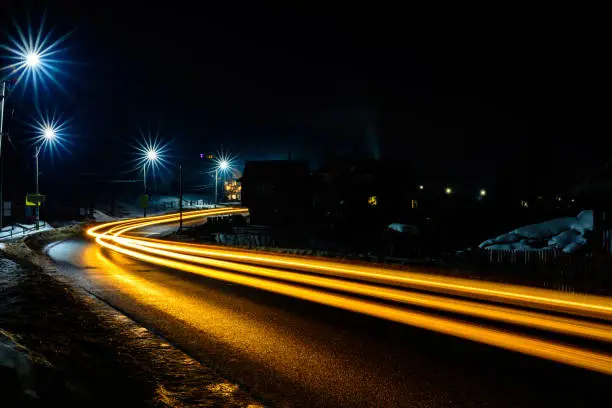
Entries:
{"x":293,"y":353}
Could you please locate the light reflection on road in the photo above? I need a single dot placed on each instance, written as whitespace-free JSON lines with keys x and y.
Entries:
{"x":263,"y":271}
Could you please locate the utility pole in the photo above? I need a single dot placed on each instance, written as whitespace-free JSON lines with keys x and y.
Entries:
{"x":144,"y":179}
{"x":37,"y":191}
{"x":180,"y":198}
{"x":2,"y":101}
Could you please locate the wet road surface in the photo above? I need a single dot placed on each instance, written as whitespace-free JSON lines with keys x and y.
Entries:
{"x":289,"y":352}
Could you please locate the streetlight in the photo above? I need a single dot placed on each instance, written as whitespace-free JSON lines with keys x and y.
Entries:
{"x":28,"y":53}
{"x":151,"y":156}
{"x":448,"y":190}
{"x":222,"y":165}
{"x":48,"y":136}
{"x":32,"y":59}
{"x":483,"y":192}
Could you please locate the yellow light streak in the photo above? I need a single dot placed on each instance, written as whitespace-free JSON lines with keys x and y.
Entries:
{"x":256,"y":269}
{"x":579,"y":304}
{"x":530,"y":319}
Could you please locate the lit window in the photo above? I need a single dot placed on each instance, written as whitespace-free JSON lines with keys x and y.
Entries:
{"x":373,"y":201}
{"x":415,"y":204}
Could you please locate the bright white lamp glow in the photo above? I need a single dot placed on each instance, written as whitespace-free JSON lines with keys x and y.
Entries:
{"x":49,"y":133}
{"x":33,"y":56}
{"x":32,"y":59}
{"x":483,"y":192}
{"x":223,"y":165}
{"x":152,"y":155}
{"x":448,"y":190}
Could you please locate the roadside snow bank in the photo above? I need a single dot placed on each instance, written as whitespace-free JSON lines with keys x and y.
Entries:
{"x":102,"y":217}
{"x":567,"y":234}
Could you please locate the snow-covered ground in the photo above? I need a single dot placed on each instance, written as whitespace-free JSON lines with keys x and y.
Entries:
{"x":22,"y":230}
{"x":567,"y":234}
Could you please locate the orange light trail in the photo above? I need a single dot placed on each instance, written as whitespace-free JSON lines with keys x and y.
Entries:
{"x":330,"y":287}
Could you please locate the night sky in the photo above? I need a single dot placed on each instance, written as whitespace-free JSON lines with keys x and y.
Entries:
{"x":461,"y":96}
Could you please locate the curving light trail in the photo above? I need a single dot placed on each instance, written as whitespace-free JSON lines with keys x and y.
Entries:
{"x":389,"y":294}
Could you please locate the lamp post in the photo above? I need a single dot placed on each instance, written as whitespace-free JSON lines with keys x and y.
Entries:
{"x":180,"y":198}
{"x":222,"y":165}
{"x":150,"y":157}
{"x":48,"y":136}
{"x":2,"y":98}
{"x":29,"y":61}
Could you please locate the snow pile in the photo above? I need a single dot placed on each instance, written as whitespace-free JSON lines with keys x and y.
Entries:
{"x":102,"y":217}
{"x":567,"y":234}
{"x":161,"y":204}
{"x":403,"y":228}
{"x":22,"y":230}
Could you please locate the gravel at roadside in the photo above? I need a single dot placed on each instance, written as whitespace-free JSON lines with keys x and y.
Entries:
{"x":62,"y":347}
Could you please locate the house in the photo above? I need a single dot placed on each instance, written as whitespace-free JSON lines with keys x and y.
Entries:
{"x":232,"y":191}
{"x":277,"y":192}
{"x":351,"y":190}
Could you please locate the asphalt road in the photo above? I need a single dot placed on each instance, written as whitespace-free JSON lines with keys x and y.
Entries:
{"x":293,"y":353}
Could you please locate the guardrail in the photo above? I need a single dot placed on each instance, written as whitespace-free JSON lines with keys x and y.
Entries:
{"x":24,"y":229}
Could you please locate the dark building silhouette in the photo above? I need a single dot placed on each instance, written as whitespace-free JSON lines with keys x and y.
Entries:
{"x":277,"y":192}
{"x":362,"y":192}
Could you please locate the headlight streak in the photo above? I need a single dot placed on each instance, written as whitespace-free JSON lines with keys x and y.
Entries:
{"x":252,"y":271}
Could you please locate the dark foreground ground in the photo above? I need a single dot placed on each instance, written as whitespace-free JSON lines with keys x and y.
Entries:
{"x":74,"y":351}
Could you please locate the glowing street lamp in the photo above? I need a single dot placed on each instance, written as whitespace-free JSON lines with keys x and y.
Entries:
{"x":32,"y":58}
{"x":48,"y":135}
{"x":448,"y":191}
{"x":483,"y":192}
{"x":151,"y":156}
{"x":222,"y":165}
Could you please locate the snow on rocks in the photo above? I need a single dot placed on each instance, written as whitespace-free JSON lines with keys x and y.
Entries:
{"x":567,"y":234}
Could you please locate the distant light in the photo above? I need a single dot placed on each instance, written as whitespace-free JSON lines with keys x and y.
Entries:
{"x":152,"y":155}
{"x":421,"y":187}
{"x":483,"y":192}
{"x":448,"y":190}
{"x":223,"y":165}
{"x":201,"y":155}
{"x":49,"y":133}
{"x":32,"y":59}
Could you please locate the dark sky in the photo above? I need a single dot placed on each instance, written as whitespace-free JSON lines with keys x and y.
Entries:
{"x":459,"y":94}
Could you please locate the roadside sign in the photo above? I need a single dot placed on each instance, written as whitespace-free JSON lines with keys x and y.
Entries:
{"x":33,"y":200}
{"x":143,"y":201}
